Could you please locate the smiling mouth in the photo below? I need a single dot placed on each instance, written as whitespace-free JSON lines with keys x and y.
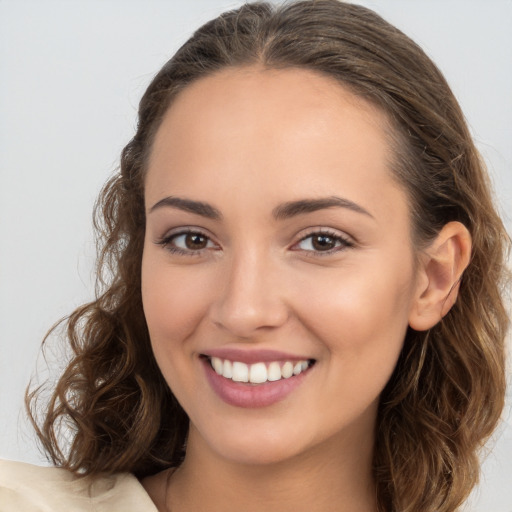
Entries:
{"x":258,"y":373}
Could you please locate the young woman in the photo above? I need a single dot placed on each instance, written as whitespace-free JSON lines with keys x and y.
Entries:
{"x":304,"y":307}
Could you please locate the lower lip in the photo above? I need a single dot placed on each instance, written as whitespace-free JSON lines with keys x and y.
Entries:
{"x":242,"y":394}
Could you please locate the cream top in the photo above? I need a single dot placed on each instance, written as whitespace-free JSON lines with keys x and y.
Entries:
{"x":28,"y":488}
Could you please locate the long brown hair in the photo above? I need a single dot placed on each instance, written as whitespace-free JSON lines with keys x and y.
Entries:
{"x":447,"y":391}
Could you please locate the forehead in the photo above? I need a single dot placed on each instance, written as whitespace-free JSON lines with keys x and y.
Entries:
{"x":253,"y":94}
{"x":295,"y":129}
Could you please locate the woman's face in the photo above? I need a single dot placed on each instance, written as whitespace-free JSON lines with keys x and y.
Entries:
{"x":277,"y":250}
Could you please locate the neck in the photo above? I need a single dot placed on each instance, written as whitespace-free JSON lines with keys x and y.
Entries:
{"x":334,"y":476}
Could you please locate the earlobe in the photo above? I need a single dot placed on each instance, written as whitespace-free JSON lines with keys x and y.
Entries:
{"x":439,"y":273}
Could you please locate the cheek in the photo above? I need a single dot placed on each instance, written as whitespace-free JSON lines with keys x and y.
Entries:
{"x":173,"y":308}
{"x":174,"y":302}
{"x":360,"y":325}
{"x":360,"y":311}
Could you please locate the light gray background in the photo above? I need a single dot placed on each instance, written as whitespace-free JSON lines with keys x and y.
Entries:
{"x":71,"y":74}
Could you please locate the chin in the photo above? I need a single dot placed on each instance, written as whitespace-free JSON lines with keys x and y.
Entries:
{"x":255,"y":445}
{"x":258,"y":454}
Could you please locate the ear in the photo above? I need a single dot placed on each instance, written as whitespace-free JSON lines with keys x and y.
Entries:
{"x":439,"y":272}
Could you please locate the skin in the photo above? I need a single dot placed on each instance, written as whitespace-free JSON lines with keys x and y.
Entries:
{"x":247,"y":141}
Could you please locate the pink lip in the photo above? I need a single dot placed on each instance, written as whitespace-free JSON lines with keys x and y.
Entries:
{"x":253,"y":356}
{"x":247,"y":395}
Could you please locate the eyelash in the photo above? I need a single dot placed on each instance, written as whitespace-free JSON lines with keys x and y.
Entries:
{"x":167,"y":241}
{"x":343,"y":242}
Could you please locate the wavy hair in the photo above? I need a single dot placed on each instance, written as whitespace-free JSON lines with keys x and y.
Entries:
{"x":447,"y":392}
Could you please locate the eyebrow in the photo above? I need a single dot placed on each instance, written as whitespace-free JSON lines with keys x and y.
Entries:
{"x":293,"y":208}
{"x":188,"y":205}
{"x":281,"y":212}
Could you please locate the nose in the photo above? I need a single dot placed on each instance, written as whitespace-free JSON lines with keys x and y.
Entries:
{"x":251,"y":297}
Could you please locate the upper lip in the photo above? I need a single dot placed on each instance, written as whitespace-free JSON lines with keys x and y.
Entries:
{"x":250,"y":356}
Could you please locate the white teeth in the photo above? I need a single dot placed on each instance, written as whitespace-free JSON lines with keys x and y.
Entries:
{"x":240,"y":372}
{"x":287,"y":370}
{"x":227,"y":369}
{"x":274,"y":372}
{"x":217,"y":365}
{"x":257,"y":373}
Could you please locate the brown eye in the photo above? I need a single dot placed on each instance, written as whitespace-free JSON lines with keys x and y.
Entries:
{"x":195,"y":241}
{"x":187,"y":243}
{"x":323,"y":242}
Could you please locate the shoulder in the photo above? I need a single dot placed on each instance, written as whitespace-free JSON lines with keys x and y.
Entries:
{"x":39,"y":489}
